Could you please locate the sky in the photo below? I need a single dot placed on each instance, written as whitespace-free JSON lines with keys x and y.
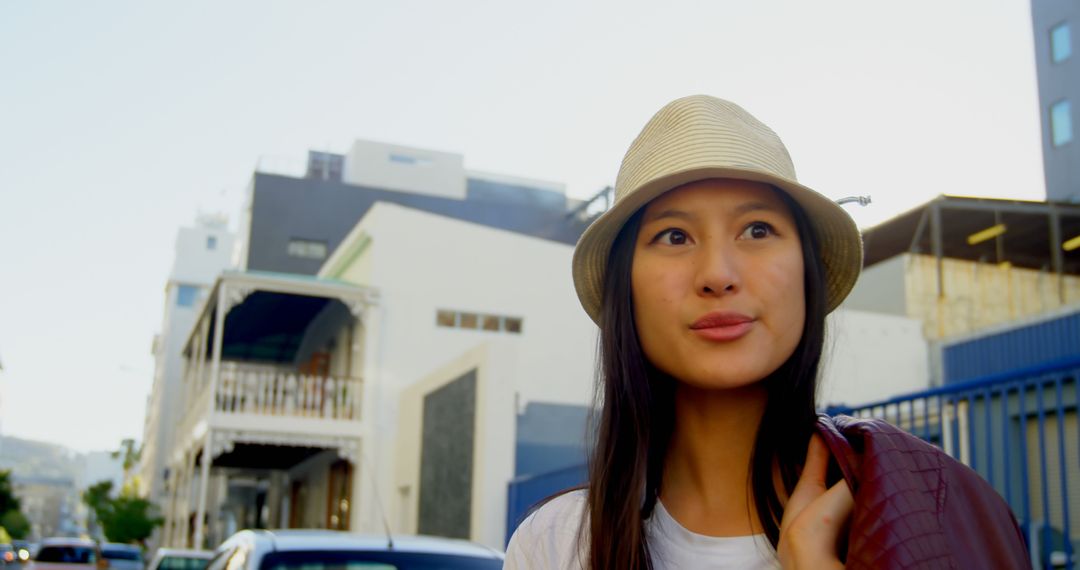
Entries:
{"x":121,"y":121}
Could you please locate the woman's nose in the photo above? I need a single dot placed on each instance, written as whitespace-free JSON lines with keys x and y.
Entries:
{"x":718,"y":274}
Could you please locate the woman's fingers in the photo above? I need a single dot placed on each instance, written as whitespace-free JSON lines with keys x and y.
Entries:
{"x":811,"y":484}
{"x":814,"y":516}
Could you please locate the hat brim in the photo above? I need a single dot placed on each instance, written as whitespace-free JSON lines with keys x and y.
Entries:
{"x":838,"y":236}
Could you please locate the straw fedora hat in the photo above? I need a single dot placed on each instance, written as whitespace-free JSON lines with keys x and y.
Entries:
{"x":701,"y":137}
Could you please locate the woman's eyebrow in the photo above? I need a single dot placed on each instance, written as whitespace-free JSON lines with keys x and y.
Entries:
{"x":754,"y":207}
{"x":671,"y":213}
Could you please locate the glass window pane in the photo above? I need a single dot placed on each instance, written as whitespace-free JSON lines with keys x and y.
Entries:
{"x":445,"y":318}
{"x":1060,"y":42}
{"x":491,"y":323}
{"x":469,"y":320}
{"x":310,"y":249}
{"x":186,"y":295}
{"x":1061,"y":130}
{"x":512,"y":325}
{"x":211,"y":242}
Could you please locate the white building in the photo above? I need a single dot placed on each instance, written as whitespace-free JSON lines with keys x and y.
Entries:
{"x":315,"y":406}
{"x":474,"y":319}
{"x":201,"y":253}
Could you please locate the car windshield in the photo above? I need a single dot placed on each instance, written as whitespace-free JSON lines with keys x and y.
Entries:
{"x":380,"y":560}
{"x":182,"y":563}
{"x":121,"y":553}
{"x":67,"y":554}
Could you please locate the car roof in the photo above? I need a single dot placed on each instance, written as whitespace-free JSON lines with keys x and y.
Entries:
{"x":68,"y":542}
{"x":120,"y":546}
{"x":184,"y":553}
{"x":303,"y":540}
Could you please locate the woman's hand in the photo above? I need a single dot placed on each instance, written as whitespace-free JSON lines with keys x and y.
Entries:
{"x":814,"y":516}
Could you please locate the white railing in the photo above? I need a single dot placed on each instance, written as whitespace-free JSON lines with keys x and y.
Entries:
{"x":246,"y":389}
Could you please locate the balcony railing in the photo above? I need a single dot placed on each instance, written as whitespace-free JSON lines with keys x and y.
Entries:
{"x":247,"y":389}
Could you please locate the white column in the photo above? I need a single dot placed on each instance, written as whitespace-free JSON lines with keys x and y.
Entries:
{"x":189,"y":470}
{"x":215,"y":371}
{"x":170,"y":509}
{"x":368,"y":484}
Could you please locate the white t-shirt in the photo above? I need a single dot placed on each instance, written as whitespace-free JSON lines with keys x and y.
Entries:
{"x":549,"y":539}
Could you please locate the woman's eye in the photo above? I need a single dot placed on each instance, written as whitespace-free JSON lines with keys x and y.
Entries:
{"x":757,"y":230}
{"x":671,"y":237}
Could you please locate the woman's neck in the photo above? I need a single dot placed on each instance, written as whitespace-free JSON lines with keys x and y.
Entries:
{"x":706,"y":483}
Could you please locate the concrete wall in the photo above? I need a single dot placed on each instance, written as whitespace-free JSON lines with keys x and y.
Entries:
{"x":492,"y":364}
{"x":881,"y":288}
{"x":980,"y":295}
{"x":1058,"y":81}
{"x":394,"y":167}
{"x":195,"y":260}
{"x":870,"y":357}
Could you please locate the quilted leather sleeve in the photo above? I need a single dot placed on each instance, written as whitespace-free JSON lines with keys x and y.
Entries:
{"x":916,"y":507}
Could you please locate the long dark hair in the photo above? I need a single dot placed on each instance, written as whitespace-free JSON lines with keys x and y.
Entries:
{"x":636,"y":420}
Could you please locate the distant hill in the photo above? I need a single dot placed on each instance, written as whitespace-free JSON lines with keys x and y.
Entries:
{"x":30,"y":459}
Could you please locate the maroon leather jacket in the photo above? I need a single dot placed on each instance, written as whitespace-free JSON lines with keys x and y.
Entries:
{"x":916,"y":507}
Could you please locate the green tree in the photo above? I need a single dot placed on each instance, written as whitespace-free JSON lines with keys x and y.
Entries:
{"x":8,"y":500}
{"x":125,"y":518}
{"x":11,"y":518}
{"x":16,"y":524}
{"x":130,"y":520}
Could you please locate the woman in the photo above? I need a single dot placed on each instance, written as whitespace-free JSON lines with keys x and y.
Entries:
{"x":710,"y":279}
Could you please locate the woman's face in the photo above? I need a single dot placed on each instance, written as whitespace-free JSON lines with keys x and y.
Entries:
{"x":717,"y":281}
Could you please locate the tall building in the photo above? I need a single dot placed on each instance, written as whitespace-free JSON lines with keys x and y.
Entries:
{"x":1059,"y":95}
{"x":293,"y":222}
{"x":201,"y":253}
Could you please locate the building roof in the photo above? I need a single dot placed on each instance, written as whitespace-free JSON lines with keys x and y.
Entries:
{"x":1028,"y":239}
{"x":266,"y":319}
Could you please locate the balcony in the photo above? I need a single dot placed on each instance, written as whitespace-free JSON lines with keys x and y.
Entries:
{"x":261,"y":391}
{"x":272,"y":394}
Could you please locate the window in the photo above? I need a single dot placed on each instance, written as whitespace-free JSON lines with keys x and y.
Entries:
{"x":211,"y":242}
{"x":409,"y":159}
{"x":1061,"y":122}
{"x":445,"y":318}
{"x":512,"y":325}
{"x":325,"y":165}
{"x":306,"y":248}
{"x":468,"y":320}
{"x":1060,"y":42}
{"x":186,"y":295}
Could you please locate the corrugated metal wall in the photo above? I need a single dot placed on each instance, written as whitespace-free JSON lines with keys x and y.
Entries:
{"x":1033,"y":345}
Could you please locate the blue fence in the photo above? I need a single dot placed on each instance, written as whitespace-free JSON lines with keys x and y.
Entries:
{"x":1019,"y":431}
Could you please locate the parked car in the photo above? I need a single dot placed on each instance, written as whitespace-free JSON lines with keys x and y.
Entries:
{"x":68,"y":554}
{"x":178,"y":559}
{"x":122,"y":556}
{"x":334,"y":550}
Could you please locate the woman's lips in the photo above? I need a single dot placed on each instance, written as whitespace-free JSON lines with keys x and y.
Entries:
{"x":723,"y":327}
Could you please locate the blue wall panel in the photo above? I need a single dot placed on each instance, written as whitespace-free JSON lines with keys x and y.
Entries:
{"x":1023,"y":347}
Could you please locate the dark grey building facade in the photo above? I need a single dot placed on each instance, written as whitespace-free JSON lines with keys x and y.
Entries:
{"x":293,"y":224}
{"x":1056,"y":23}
